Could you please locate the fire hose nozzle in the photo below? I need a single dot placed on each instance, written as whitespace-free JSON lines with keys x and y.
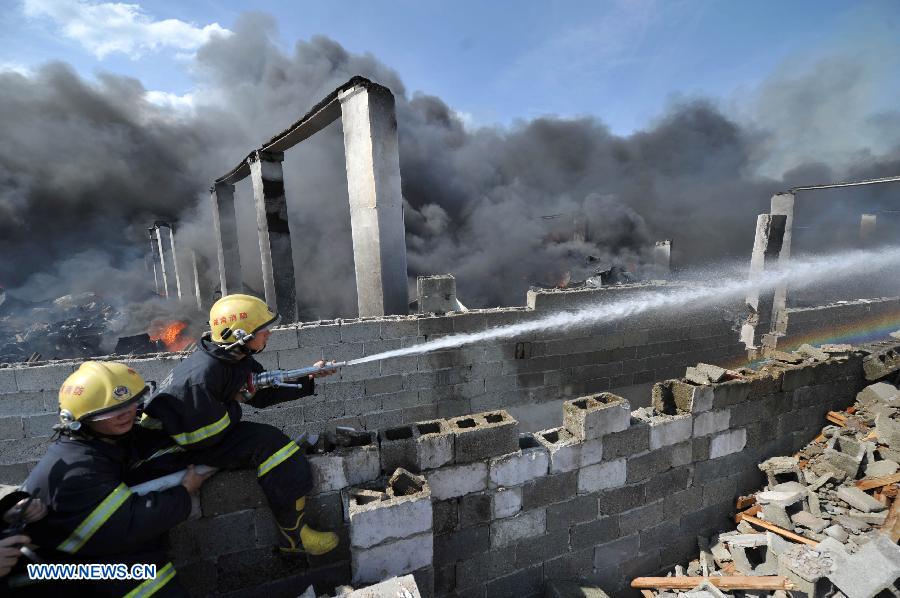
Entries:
{"x":284,"y":378}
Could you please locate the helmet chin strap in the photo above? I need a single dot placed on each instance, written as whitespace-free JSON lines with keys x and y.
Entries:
{"x":241,"y":344}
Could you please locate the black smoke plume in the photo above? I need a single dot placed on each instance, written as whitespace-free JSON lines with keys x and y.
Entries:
{"x":85,"y":167}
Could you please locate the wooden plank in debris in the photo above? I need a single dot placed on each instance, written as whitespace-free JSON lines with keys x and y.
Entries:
{"x":749,"y":512}
{"x":734,"y":582}
{"x":878,"y":482}
{"x":647,"y":594}
{"x":836,"y":418}
{"x":745,"y":501}
{"x":778,"y":530}
{"x":892,"y":524}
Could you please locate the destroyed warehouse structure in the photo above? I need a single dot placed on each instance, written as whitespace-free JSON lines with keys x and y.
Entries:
{"x":589,"y":455}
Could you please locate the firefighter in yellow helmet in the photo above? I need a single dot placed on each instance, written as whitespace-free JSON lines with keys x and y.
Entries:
{"x":93,"y":517}
{"x":199,"y":406}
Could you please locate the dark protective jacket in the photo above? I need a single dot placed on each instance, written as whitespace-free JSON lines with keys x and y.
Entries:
{"x":195,"y":404}
{"x":92,"y":514}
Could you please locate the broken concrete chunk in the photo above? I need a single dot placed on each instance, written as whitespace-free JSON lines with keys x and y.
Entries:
{"x":812,"y":352}
{"x":784,"y":357}
{"x":870,"y":518}
{"x":881,"y":392}
{"x":713,"y":372}
{"x":838,"y":533}
{"x":776,"y":514}
{"x":831,"y":348}
{"x":888,"y":431}
{"x":851,"y":524}
{"x":879,"y":559}
{"x":880,"y":469}
{"x":809,"y":521}
{"x":781,"y":469}
{"x":859,"y":500}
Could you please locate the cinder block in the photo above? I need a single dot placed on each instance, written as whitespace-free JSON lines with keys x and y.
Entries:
{"x":392,"y":559}
{"x":674,"y":396}
{"x":507,"y":502}
{"x":727,"y":443}
{"x":28,"y":403}
{"x":602,"y":476}
{"x":711,"y":422}
{"x":318,"y":335}
{"x":551,"y":489}
{"x":596,"y":415}
{"x":357,"y":331}
{"x":298,"y":358}
{"x":345,"y":467}
{"x":398,"y":449}
{"x":526,"y":524}
{"x":402,"y":511}
{"x":11,"y":428}
{"x":887,"y":430}
{"x":591,"y":452}
{"x":7,"y":381}
{"x":484,"y":435}
{"x":212,"y":537}
{"x":666,"y":430}
{"x":42,"y":377}
{"x":361,"y":461}
{"x":230,"y":491}
{"x":434,"y":444}
{"x":519,"y":467}
{"x":730,"y":393}
{"x":457,"y":480}
{"x":37,"y":426}
{"x":282,"y":337}
{"x":474,"y":509}
{"x":394,"y":327}
{"x":881,"y":392}
{"x":564,"y":449}
{"x":633,"y":441}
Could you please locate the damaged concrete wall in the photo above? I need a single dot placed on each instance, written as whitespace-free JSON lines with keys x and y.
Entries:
{"x":850,"y":318}
{"x":611,"y":494}
{"x":529,"y":376}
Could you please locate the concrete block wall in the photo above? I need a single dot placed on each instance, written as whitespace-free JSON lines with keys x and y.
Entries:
{"x":612,"y":494}
{"x":852,"y":318}
{"x":537,"y":369}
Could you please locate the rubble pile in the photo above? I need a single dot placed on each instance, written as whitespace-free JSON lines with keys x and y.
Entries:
{"x":827,"y":521}
{"x":71,"y":326}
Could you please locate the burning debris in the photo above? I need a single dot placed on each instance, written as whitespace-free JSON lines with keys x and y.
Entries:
{"x":82,"y":325}
{"x":68,"y":327}
{"x":828,"y":520}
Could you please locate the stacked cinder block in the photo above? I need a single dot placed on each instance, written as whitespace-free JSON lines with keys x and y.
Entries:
{"x":390,"y":530}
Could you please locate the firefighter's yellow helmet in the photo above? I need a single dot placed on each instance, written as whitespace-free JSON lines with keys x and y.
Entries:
{"x":238,"y":317}
{"x":97,"y":390}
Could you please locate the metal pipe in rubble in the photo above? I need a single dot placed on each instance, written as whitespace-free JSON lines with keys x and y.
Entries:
{"x":283,"y":378}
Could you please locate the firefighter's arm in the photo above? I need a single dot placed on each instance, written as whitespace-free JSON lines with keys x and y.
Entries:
{"x":199,"y":421}
{"x":107,"y":518}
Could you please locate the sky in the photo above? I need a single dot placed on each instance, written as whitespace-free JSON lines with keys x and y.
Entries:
{"x":500,"y":62}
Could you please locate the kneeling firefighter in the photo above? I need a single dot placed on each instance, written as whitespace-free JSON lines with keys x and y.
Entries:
{"x":198,"y":406}
{"x":92,"y":515}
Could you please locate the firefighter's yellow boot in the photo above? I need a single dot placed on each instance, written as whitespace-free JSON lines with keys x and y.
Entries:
{"x":302,"y":539}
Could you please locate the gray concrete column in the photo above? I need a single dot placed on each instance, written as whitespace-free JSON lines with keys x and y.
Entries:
{"x":376,"y":203}
{"x":197,"y":295}
{"x":154,"y":258}
{"x":767,"y":245}
{"x":274,"y":232}
{"x":162,"y":258}
{"x":175,"y":261}
{"x":225,"y":223}
{"x":867,"y":225}
{"x":782,"y":203}
{"x":662,"y":257}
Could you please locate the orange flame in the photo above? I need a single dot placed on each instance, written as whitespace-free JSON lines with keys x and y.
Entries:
{"x":171,"y":334}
